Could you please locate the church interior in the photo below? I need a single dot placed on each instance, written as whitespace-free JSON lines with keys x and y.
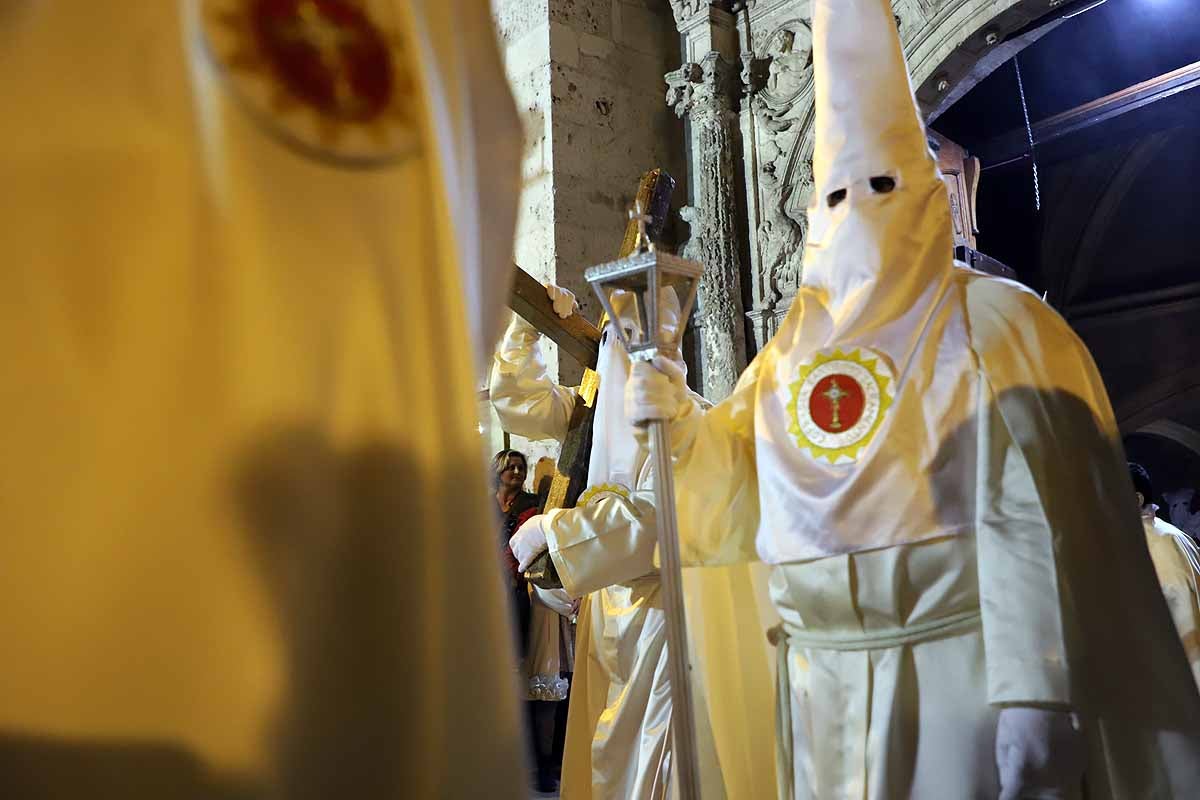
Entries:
{"x":600,"y":400}
{"x":1076,"y":180}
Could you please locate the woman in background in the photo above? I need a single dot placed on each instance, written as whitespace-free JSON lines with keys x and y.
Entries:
{"x":516,"y":505}
{"x":541,"y":621}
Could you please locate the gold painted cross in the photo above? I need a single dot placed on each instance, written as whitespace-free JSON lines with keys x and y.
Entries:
{"x":638,"y":215}
{"x":835,"y":394}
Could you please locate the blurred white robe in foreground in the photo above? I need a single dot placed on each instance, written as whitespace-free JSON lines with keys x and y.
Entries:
{"x":245,"y":528}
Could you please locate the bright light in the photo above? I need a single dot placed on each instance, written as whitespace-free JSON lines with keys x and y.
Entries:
{"x":1086,"y":9}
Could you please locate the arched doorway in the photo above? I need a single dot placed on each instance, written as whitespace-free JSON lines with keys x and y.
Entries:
{"x":1111,"y":92}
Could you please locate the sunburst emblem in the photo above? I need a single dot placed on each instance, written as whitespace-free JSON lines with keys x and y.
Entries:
{"x":595,"y":493}
{"x":838,"y":403}
{"x":330,"y":77}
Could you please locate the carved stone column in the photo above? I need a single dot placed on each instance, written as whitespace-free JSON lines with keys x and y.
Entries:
{"x":703,"y":94}
{"x":776,"y":120}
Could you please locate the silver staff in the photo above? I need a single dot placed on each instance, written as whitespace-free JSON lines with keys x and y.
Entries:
{"x":644,"y":273}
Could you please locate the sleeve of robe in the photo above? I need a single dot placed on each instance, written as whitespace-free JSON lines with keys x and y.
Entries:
{"x":716,"y":478}
{"x":716,"y":491}
{"x":608,"y":541}
{"x":1181,"y":601}
{"x":527,"y":400}
{"x":1177,"y":580}
{"x":1072,"y":613}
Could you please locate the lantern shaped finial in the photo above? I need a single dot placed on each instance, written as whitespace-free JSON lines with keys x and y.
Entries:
{"x":649,"y":275}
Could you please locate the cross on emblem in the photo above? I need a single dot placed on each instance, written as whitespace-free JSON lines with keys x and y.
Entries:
{"x":835,"y":394}
{"x":328,"y":39}
{"x":331,"y":78}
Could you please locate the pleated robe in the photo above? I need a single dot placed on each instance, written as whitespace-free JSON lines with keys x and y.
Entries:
{"x":619,"y":722}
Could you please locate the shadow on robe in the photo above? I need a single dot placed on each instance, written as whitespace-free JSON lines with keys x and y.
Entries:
{"x":1130,"y":679}
{"x":342,"y":546}
{"x":345,"y":540}
{"x":45,"y":768}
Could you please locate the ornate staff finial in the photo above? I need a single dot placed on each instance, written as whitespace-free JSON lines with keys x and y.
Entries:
{"x":636,"y":214}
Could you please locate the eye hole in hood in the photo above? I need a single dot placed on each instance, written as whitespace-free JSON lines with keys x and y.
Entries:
{"x":883,"y":184}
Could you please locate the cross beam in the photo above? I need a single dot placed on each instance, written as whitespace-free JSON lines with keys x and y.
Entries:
{"x":574,"y":335}
{"x":1013,"y":145}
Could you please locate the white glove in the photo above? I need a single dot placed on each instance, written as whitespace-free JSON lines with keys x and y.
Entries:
{"x":557,"y":600}
{"x":1039,"y":753}
{"x":656,"y":390}
{"x":563,"y":300}
{"x":529,"y":541}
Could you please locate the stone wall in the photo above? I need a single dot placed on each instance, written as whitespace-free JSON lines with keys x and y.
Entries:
{"x":587,"y":77}
{"x":608,"y":126}
{"x":524,"y":30}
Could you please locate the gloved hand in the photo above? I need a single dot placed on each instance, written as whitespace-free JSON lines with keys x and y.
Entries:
{"x":557,"y":600}
{"x":529,"y":541}
{"x":1039,"y":753}
{"x":656,"y":390}
{"x":563,"y":300}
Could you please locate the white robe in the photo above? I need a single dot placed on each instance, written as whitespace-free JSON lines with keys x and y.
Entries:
{"x":1175,"y":563}
{"x":928,"y":458}
{"x":898,"y":658}
{"x":246,"y":536}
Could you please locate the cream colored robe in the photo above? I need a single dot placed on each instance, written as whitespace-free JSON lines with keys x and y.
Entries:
{"x":1178,"y":582}
{"x":894,"y":662}
{"x":618,"y":730}
{"x":245,"y":535}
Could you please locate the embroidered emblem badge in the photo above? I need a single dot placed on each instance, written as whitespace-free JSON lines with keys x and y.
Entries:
{"x":331,"y":78}
{"x":594,"y":493}
{"x":838,"y":402}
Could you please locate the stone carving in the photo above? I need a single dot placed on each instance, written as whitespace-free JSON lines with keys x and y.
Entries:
{"x":686,"y":9}
{"x":681,"y":87}
{"x":930,"y":7}
{"x":777,"y":78}
{"x":912,"y":14}
{"x":789,"y":71}
{"x":703,"y":94}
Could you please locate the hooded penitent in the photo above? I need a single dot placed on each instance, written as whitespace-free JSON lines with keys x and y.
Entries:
{"x":618,"y":732}
{"x":929,"y":458}
{"x":861,"y":358}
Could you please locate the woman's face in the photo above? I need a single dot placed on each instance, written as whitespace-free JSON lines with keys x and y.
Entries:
{"x":512,"y":476}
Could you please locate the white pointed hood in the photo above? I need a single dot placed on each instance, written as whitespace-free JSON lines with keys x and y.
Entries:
{"x":616,"y":457}
{"x":879,"y":225}
{"x":866,"y":375}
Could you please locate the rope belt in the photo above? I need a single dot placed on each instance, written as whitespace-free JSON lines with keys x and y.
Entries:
{"x":784,"y":637}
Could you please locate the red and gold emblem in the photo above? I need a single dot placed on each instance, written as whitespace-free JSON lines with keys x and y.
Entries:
{"x":331,"y":77}
{"x":838,"y":403}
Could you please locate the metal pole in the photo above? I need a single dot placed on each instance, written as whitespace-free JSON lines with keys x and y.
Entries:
{"x":683,"y":719}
